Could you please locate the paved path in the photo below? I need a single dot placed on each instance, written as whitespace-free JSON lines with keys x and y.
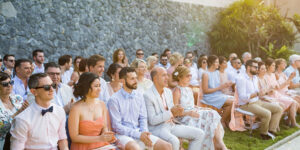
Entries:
{"x":291,"y":142}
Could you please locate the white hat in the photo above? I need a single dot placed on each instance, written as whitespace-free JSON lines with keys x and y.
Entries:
{"x":294,"y":58}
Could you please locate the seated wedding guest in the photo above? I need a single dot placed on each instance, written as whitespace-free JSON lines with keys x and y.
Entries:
{"x":212,"y":89}
{"x":80,"y":69}
{"x":249,"y":100}
{"x":176,"y":59}
{"x":89,"y":121}
{"x":120,"y":58}
{"x":155,"y":54}
{"x":235,"y":71}
{"x":246,"y":56}
{"x":202,"y":67}
{"x":151,"y":63}
{"x":204,"y":56}
{"x":9,"y":64}
{"x":284,"y":81}
{"x":96,"y":65}
{"x":161,"y":113}
{"x":231,"y":56}
{"x":224,"y":76}
{"x":38,"y":57}
{"x":23,"y":72}
{"x":207,"y":120}
{"x":194,"y":82}
{"x":10,"y":106}
{"x":163,"y":61}
{"x":268,"y":83}
{"x":130,"y":121}
{"x":294,"y":61}
{"x":115,"y":84}
{"x":190,"y":55}
{"x":168,"y":53}
{"x":65,"y":63}
{"x":140,"y":69}
{"x":42,"y":124}
{"x":139,"y":54}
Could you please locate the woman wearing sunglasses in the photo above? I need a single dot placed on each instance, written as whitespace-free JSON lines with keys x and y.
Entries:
{"x":89,"y":121}
{"x":10,"y":106}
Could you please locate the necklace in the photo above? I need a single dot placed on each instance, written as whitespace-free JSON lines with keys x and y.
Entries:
{"x":8,"y":105}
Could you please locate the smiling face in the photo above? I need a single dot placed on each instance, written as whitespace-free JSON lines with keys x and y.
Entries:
{"x":24,"y":70}
{"x":6,"y":90}
{"x":95,"y":89}
{"x":120,"y":56}
{"x":98,"y":69}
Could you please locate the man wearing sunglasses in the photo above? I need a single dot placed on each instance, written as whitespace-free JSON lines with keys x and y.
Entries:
{"x":42,"y":124}
{"x":235,"y":71}
{"x":139,"y":54}
{"x":164,"y":61}
{"x":9,"y":64}
{"x":23,"y":72}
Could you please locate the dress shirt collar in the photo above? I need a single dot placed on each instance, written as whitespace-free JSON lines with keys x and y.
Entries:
{"x":40,"y":108}
{"x":127,"y":95}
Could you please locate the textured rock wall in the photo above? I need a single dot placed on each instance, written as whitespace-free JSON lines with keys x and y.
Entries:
{"x":85,"y":27}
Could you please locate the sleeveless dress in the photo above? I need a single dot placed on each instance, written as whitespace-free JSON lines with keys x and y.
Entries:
{"x":217,"y":98}
{"x":208,"y":121}
{"x":89,"y":128}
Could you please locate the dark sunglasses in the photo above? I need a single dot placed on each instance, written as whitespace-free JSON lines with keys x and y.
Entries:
{"x":11,"y":60}
{"x":0,"y":60}
{"x":6,"y":84}
{"x":140,"y":53}
{"x":47,"y":87}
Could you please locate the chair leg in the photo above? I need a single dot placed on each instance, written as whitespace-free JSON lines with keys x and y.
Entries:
{"x":251,"y":125}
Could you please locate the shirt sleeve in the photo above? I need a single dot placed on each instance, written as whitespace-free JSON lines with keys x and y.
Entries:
{"x":116,"y":121}
{"x":241,"y":89}
{"x":143,"y":117}
{"x":19,"y":133}
{"x":62,"y":128}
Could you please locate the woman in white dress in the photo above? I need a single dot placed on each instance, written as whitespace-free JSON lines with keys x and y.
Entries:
{"x":141,"y":69}
{"x":204,"y":118}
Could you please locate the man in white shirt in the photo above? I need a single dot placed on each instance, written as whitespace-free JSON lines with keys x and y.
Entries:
{"x":235,"y":70}
{"x":42,"y":124}
{"x":65,"y":63}
{"x":246,"y":56}
{"x":190,"y":55}
{"x":96,"y":65}
{"x":249,"y":100}
{"x":294,"y":61}
{"x":229,"y":64}
{"x":38,"y":58}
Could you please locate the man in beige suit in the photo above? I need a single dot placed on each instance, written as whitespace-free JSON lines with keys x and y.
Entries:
{"x":63,"y":94}
{"x":161,"y":113}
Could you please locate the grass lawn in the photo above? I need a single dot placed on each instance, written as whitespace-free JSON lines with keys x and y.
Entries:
{"x":243,"y":140}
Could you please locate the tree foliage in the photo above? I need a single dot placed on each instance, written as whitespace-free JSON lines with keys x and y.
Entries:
{"x":249,"y":25}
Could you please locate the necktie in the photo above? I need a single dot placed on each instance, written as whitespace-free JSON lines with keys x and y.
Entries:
{"x":44,"y":111}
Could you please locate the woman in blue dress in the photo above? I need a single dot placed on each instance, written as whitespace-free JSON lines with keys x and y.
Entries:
{"x":212,"y":94}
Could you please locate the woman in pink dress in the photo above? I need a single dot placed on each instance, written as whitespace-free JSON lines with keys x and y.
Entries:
{"x":268,"y":84}
{"x":284,"y":81}
{"x":89,"y":121}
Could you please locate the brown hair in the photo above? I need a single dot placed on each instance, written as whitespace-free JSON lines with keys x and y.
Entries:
{"x":279,"y":61}
{"x":175,"y":57}
{"x":200,"y":60}
{"x":92,"y":61}
{"x":179,"y":72}
{"x":115,"y":55}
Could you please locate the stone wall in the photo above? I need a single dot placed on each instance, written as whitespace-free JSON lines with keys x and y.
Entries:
{"x":85,"y":27}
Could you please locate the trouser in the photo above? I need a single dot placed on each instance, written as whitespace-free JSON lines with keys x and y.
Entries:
{"x":172,"y":132}
{"x":268,"y":113}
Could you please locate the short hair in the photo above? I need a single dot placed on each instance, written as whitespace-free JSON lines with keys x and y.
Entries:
{"x":124,"y":71}
{"x":138,"y":51}
{"x":261,"y":63}
{"x":4,"y":76}
{"x":203,"y":55}
{"x":20,"y":61}
{"x":112,"y":69}
{"x":233,"y":59}
{"x":116,"y":53}
{"x":250,"y":62}
{"x":279,"y":61}
{"x":189,"y":52}
{"x":8,"y":55}
{"x":35,"y":52}
{"x":179,"y":72}
{"x":166,"y":50}
{"x":153,"y":73}
{"x":163,"y":55}
{"x":82,"y":65}
{"x":74,"y":63}
{"x":222,"y":59}
{"x":92,"y":61}
{"x":136,"y":63}
{"x":33,"y":81}
{"x":175,"y":57}
{"x":200,"y":60}
{"x":51,"y":65}
{"x":64,"y":59}
{"x":154,"y":54}
{"x":246,"y":53}
{"x":211,"y":59}
{"x":269,"y":62}
{"x":83,"y":85}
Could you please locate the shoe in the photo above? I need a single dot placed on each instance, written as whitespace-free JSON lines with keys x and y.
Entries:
{"x":275,"y":134}
{"x":265,"y":137}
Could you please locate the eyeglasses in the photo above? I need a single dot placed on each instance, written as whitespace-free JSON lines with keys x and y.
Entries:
{"x":203,"y":62}
{"x":164,"y":59}
{"x":256,"y":67}
{"x":139,"y":53}
{"x":6,"y":84}
{"x":11,"y":60}
{"x":54,"y":73}
{"x":47,"y":87}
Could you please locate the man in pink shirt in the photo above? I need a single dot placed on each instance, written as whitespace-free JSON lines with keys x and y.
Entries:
{"x":42,"y":124}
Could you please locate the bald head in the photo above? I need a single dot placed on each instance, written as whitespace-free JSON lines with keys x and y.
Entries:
{"x":159,"y":77}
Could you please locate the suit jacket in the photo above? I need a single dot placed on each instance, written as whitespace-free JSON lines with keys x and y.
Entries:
{"x":157,"y":114}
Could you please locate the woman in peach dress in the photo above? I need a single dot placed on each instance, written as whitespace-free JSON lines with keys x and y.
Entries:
{"x":88,"y":119}
{"x":268,"y":84}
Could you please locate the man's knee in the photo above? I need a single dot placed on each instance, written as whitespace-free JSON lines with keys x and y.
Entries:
{"x":266,"y":115}
{"x":174,"y":142}
{"x":132,"y":145}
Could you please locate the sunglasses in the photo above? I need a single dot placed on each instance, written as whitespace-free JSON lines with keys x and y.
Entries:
{"x":6,"y":84}
{"x":11,"y":60}
{"x":0,"y":60}
{"x":140,"y":53}
{"x":47,"y":87}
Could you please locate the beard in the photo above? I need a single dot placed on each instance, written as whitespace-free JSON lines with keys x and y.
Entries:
{"x":253,"y":72}
{"x":39,"y":61}
{"x":131,"y":86}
